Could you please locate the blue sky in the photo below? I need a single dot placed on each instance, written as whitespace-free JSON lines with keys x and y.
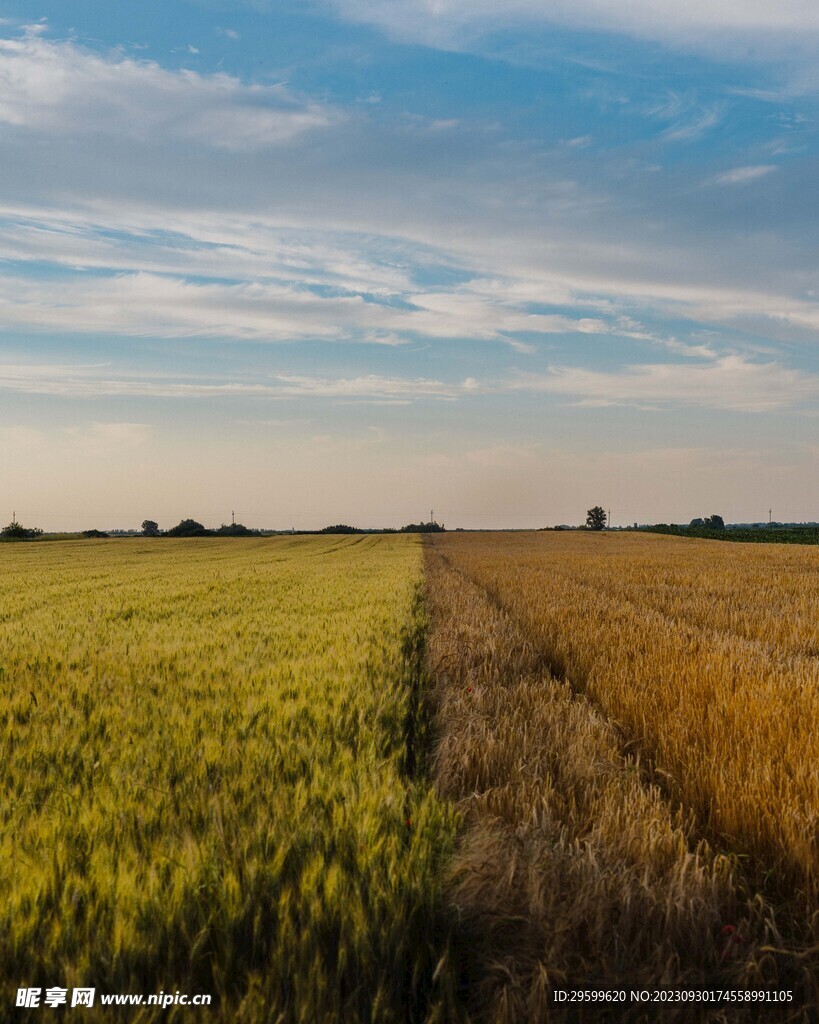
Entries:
{"x":346,"y":260}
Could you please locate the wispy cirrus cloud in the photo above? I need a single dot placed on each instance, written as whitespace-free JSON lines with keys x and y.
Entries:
{"x":685,"y":116}
{"x":344,"y":223}
{"x":795,"y":15}
{"x":102,"y":381}
{"x":747,"y":28}
{"x":141,"y":238}
{"x":143,"y":304}
{"x":730,"y":383}
{"x":159,"y":273}
{"x":742,"y":175}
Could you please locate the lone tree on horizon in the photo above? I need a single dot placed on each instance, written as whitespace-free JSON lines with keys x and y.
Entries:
{"x":596,"y":518}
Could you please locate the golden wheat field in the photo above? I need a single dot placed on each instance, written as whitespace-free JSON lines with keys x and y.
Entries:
{"x":627,"y":725}
{"x":208,"y":769}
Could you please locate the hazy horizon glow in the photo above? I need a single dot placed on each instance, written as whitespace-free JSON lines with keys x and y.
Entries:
{"x":347,"y":261}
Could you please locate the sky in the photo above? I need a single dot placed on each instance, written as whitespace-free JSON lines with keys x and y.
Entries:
{"x":321,"y":261}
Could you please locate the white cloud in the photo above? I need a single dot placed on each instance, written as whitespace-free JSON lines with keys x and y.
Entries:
{"x":463,"y":314}
{"x":307,"y":283}
{"x":96,"y":381}
{"x":730,"y":383}
{"x":741,"y":175}
{"x":694,"y":128}
{"x":62,"y":89}
{"x":341,"y":223}
{"x":369,"y":386}
{"x":701,"y":23}
{"x":687,"y":118}
{"x":121,"y":238}
{"x":144,"y":304}
{"x":344,"y":215}
{"x":150,"y":305}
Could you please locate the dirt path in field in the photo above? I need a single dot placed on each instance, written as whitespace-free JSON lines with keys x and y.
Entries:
{"x":573,"y":870}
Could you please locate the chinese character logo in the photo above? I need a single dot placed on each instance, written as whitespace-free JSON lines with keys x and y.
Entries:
{"x":82,"y":997}
{"x":55,"y":996}
{"x":28,"y":996}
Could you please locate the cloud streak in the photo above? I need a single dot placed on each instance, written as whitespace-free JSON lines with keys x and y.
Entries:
{"x":76,"y":381}
{"x":748,"y":28}
{"x":730,"y":383}
{"x":280,"y":284}
{"x":742,"y":175}
{"x":144,"y":304}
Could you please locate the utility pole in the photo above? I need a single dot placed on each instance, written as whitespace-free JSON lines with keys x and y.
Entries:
{"x":233,"y":518}
{"x":770,"y":512}
{"x":431,"y":517}
{"x":608,"y":519}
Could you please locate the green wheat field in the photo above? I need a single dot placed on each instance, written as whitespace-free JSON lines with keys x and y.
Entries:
{"x":209,"y":767}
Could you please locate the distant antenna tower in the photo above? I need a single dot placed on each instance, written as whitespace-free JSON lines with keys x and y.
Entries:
{"x":431,"y":516}
{"x":233,"y":518}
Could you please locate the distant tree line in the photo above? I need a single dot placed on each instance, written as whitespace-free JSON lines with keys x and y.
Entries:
{"x":15,"y":531}
{"x":697,"y":527}
{"x":423,"y":528}
{"x":190,"y":528}
{"x":431,"y":527}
